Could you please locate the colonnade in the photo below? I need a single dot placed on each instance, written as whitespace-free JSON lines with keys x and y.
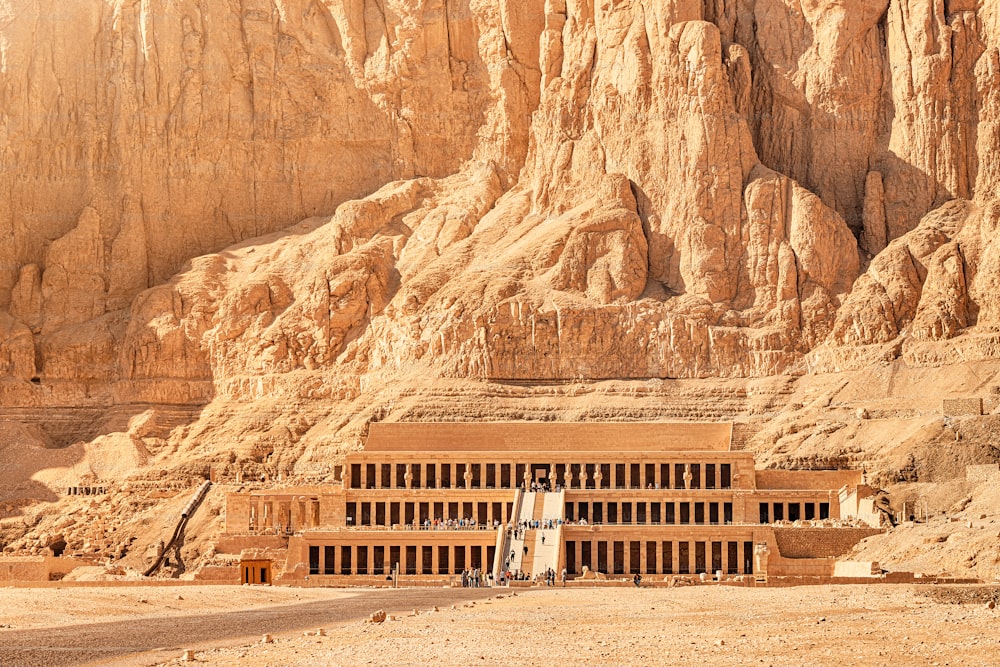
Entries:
{"x":288,"y":515}
{"x":388,"y":514}
{"x":791,"y":511}
{"x":650,"y":512}
{"x":474,"y":475}
{"x":379,"y":559}
{"x":659,"y":556}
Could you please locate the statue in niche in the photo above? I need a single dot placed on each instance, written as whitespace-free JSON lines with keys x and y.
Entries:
{"x":760,"y":556}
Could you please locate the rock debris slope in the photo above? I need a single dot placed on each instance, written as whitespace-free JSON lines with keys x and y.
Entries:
{"x":237,"y":231}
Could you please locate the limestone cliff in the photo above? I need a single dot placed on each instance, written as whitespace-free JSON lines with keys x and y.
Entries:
{"x":270,"y":222}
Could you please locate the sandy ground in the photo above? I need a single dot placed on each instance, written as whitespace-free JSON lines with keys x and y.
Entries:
{"x":24,"y":608}
{"x":820,"y":625}
{"x":704,"y":625}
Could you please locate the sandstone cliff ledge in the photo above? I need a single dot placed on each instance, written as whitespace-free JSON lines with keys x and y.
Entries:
{"x":236,"y":232}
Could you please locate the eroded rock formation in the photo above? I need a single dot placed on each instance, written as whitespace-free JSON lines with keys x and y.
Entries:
{"x":236,"y":206}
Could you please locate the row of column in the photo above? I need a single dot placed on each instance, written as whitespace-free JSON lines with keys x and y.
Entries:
{"x":285,"y":515}
{"x":659,"y":557}
{"x":806,"y":511}
{"x":357,"y":559}
{"x":566,"y":475}
{"x":388,"y":514}
{"x":643,"y":512}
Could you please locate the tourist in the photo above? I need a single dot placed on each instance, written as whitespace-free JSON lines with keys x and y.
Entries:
{"x":562,"y":575}
{"x":637,"y":580}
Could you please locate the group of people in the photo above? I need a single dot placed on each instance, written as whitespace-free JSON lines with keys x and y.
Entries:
{"x":542,"y":487}
{"x":517,"y":530}
{"x":550,"y":576}
{"x":453,"y":524}
{"x":475,"y":578}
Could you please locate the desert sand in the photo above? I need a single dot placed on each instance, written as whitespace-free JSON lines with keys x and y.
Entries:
{"x":703,"y":625}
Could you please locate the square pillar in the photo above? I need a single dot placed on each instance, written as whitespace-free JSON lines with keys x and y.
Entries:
{"x":740,"y":557}
{"x":642,"y":475}
{"x":675,"y":557}
{"x":657,"y":474}
{"x":725,"y":557}
{"x":642,"y":557}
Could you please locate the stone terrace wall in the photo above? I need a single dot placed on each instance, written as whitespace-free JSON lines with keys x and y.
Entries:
{"x":807,"y":479}
{"x":819,"y":542}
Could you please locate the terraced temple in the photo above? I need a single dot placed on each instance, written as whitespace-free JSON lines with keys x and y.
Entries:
{"x":428,"y":500}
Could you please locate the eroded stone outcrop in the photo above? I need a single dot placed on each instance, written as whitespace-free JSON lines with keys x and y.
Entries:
{"x":298,"y":204}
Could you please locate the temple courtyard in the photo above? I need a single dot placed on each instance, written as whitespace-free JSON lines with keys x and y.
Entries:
{"x":704,"y":625}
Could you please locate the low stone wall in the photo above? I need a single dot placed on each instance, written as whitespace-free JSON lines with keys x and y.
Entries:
{"x":218,"y":574}
{"x":961,"y":407}
{"x":856,"y":568}
{"x":38,"y":568}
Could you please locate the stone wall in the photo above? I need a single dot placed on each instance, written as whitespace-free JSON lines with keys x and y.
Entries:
{"x":961,"y":407}
{"x":819,"y":542}
{"x":807,"y":479}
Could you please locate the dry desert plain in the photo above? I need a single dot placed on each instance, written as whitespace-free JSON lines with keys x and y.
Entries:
{"x":704,"y":625}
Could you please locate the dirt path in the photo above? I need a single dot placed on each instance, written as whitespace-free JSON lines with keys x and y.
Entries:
{"x":110,"y":642}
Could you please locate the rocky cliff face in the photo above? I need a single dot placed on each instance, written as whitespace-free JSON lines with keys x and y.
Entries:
{"x":230,"y":206}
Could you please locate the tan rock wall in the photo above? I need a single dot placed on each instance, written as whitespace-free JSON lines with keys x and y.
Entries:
{"x":336,"y":201}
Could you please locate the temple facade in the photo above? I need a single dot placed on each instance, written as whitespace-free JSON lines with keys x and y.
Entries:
{"x":427,"y":501}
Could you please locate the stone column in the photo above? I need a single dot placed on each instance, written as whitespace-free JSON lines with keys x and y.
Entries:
{"x":354,"y":559}
{"x":568,"y":476}
{"x":687,"y":476}
{"x":642,"y":474}
{"x":583,"y":477}
{"x":436,"y":559}
{"x":657,"y":475}
{"x":642,"y":557}
{"x":598,"y":476}
{"x":526,"y":478}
